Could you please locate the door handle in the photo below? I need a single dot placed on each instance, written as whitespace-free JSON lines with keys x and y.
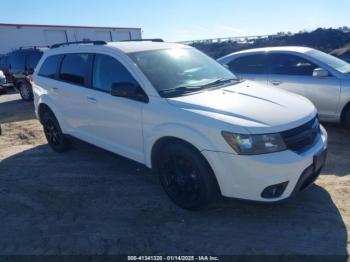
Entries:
{"x":276,"y":83}
{"x":91,"y":99}
{"x":54,"y":89}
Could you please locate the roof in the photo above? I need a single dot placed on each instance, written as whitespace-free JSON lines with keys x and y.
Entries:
{"x":69,"y":26}
{"x":139,"y":46}
{"x":299,"y":49}
{"x":124,"y":47}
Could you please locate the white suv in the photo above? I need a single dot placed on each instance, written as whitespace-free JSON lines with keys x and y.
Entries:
{"x":174,"y":109}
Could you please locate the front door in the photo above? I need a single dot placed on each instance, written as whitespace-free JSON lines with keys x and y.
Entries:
{"x":115,"y":123}
{"x":295,"y":74}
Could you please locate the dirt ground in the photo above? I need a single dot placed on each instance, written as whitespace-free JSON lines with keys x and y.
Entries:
{"x":89,"y":201}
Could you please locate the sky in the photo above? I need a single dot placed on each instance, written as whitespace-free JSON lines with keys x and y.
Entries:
{"x":180,"y":20}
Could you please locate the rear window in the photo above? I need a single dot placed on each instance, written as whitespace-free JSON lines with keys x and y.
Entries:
{"x":74,"y":69}
{"x":50,"y":66}
{"x":251,"y":64}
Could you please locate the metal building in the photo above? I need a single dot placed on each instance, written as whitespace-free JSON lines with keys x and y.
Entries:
{"x":14,"y":36}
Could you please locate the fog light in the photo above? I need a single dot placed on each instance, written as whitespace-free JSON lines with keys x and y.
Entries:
{"x":275,"y":190}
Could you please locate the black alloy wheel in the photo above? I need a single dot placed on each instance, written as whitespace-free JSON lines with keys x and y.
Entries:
{"x":186,"y":177}
{"x":53,"y":133}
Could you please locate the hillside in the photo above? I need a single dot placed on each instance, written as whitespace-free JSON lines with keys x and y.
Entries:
{"x":326,"y":40}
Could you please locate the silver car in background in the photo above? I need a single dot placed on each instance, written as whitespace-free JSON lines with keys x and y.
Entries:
{"x":322,"y":78}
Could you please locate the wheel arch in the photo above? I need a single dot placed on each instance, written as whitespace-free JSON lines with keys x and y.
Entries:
{"x":45,"y":102}
{"x":163,"y":141}
{"x":42,"y":108}
{"x":17,"y":81}
{"x":343,"y":112}
{"x":163,"y":133}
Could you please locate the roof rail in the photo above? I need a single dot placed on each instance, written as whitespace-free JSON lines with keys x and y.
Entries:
{"x":145,"y":40}
{"x":104,"y":43}
{"x":79,"y":42}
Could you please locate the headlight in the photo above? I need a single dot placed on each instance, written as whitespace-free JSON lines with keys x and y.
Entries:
{"x":255,"y":144}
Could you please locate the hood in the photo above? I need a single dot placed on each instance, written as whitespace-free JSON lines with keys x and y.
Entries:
{"x":257,"y":108}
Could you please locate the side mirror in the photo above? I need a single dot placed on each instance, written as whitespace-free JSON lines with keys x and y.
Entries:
{"x":320,"y":73}
{"x":129,"y":90}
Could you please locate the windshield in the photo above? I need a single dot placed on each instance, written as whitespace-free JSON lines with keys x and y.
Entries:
{"x":336,"y":63}
{"x":174,"y":72}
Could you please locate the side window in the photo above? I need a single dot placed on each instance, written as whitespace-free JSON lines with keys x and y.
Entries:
{"x":106,"y":71}
{"x":286,"y":64}
{"x":74,"y":68}
{"x":32,"y":60}
{"x":50,"y":66}
{"x":17,"y":62}
{"x":250,"y":64}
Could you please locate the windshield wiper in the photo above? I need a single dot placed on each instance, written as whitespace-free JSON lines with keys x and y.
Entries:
{"x":190,"y":89}
{"x":221,"y":82}
{"x":181,"y":90}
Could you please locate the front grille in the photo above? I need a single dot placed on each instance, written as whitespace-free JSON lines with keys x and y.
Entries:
{"x":303,"y":137}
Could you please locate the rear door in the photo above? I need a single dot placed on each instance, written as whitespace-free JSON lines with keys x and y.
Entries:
{"x":250,"y":67}
{"x":295,"y":74}
{"x":72,"y":90}
{"x":47,"y":81}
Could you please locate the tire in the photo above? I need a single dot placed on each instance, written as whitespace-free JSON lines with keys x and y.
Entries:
{"x":2,"y":90}
{"x":25,"y":90}
{"x":347,"y":118}
{"x":186,"y":176}
{"x":54,"y":136}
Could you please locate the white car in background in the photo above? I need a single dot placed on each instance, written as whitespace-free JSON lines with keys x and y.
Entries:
{"x":2,"y":82}
{"x":322,"y":78}
{"x":176,"y":110}
{"x":2,"y":78}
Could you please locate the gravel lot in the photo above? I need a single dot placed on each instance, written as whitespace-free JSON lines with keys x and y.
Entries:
{"x":89,"y":201}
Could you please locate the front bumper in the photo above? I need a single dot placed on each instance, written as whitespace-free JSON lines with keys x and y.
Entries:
{"x":246,"y":177}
